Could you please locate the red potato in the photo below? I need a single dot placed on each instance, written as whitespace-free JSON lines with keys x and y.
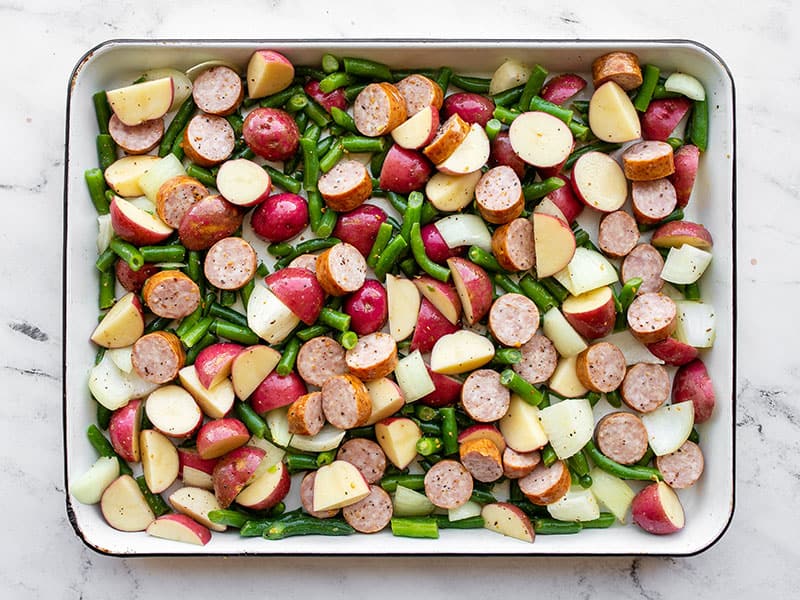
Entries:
{"x":234,"y":471}
{"x":280,"y":217}
{"x":554,"y":244}
{"x":196,"y":471}
{"x":657,"y":509}
{"x":677,"y":233}
{"x":123,"y":430}
{"x":483,"y":431}
{"x":435,"y":247}
{"x":124,"y":506}
{"x":326,"y":100}
{"x":299,"y":290}
{"x":267,"y":489}
{"x":220,"y":436}
{"x":214,"y":363}
{"x":448,"y":390}
{"x":431,"y":325}
{"x":208,"y":221}
{"x":662,"y":117}
{"x":277,"y":391}
{"x":474,"y":288}
{"x":562,"y":87}
{"x":418,"y":130}
{"x":243,"y":182}
{"x":360,"y":226}
{"x":564,"y":198}
{"x":268,"y":72}
{"x":271,"y":133}
{"x":442,"y":295}
{"x":503,"y":154}
{"x":473,"y":108}
{"x":122,"y":325}
{"x":140,"y":102}
{"x":173,"y":411}
{"x":541,"y":140}
{"x":686,"y":161}
{"x":177,"y":195}
{"x":368,"y":308}
{"x":179,"y":528}
{"x":160,"y":464}
{"x":508,"y":519}
{"x":693,"y":384}
{"x":250,"y":367}
{"x":591,"y":314}
{"x":398,"y":437}
{"x":135,"y":225}
{"x":404,"y":171}
{"x":132,"y":280}
{"x":675,"y":353}
{"x":599,"y":182}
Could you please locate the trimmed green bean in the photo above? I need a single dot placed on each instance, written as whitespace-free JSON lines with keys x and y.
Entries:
{"x":449,"y":430}
{"x":280,"y":249}
{"x":580,"y":131}
{"x":325,"y":144}
{"x":296,"y":103}
{"x":483,"y":259}
{"x":691,"y":291}
{"x":648,"y":456}
{"x":197,"y":331}
{"x":412,"y":482}
{"x":540,"y":189}
{"x":315,"y":206}
{"x":154,"y":501}
{"x":229,"y":517}
{"x":628,"y":292}
{"x":649,"y":81}
{"x":532,"y":88}
{"x":348,"y":340}
{"x":102,"y":110}
{"x":558,"y":291}
{"x":105,"y":297}
{"x":428,"y":445}
{"x":301,"y":119}
{"x":508,"y":284}
{"x":482,"y":496}
{"x":105,"y":262}
{"x":325,"y":458}
{"x":305,"y":525}
{"x":538,"y":293}
{"x":525,"y":390}
{"x":433,"y":269}
{"x":290,"y":184}
{"x":443,"y":78}
{"x":476,"y":85}
{"x":329,"y":63}
{"x":334,"y":319}
{"x":614,"y":399}
{"x":202,"y":175}
{"x":390,"y":256}
{"x":300,"y":462}
{"x":157,"y":324}
{"x":159,"y":254}
{"x":547,"y":526}
{"x":331,"y":157}
{"x":675,"y":215}
{"x":540,"y":104}
{"x":432,"y":429}
{"x":336,"y":80}
{"x":623,"y":472}
{"x":593,"y":398}
{"x":425,"y":413}
{"x":317,"y":114}
{"x":327,"y":223}
{"x":351,"y":92}
{"x":357,"y":143}
{"x":104,"y":448}
{"x":289,"y":357}
{"x":227,"y":314}
{"x":367,"y":432}
{"x":106,"y":150}
{"x":593,"y":147}
{"x":205,"y":342}
{"x":508,"y":97}
{"x":251,"y":419}
{"x":189,"y":321}
{"x":660,"y":92}
{"x":549,"y":456}
{"x":412,"y":214}
{"x":415,"y":527}
{"x":604,"y":521}
{"x":177,"y":125}
{"x":694,"y":436}
{"x":279,"y":99}
{"x":311,"y":332}
{"x":369,"y":69}
{"x":310,"y":163}
{"x":444,"y":522}
{"x":313,"y":132}
{"x":505,"y":115}
{"x":493,"y":127}
{"x":312,"y":245}
{"x":234,"y":332}
{"x":127,"y":252}
{"x":507,"y":356}
{"x":103,"y":414}
{"x":96,"y":183}
{"x":580,"y":106}
{"x":381,"y":240}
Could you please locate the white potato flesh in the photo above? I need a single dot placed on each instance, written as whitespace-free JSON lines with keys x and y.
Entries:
{"x":673,"y":509}
{"x":398,"y":438}
{"x":696,"y":323}
{"x":566,"y":340}
{"x":415,"y":131}
{"x":159,"y":172}
{"x":540,"y":139}
{"x":460,"y":352}
{"x":196,"y":503}
{"x":668,"y":427}
{"x":412,"y":377}
{"x":569,"y":424}
{"x":268,"y":317}
{"x":410,"y":503}
{"x":600,"y":181}
{"x":124,"y":506}
{"x":554,"y":244}
{"x":182,"y":85}
{"x":612,"y":116}
{"x":633,"y":350}
{"x":521,"y":427}
{"x":508,"y":520}
{"x":508,"y":75}
{"x":168,"y":528}
{"x":577,"y":504}
{"x":89,"y":487}
{"x":250,"y":367}
{"x":564,"y":379}
{"x":268,"y":73}
{"x":243,"y":182}
{"x":337,"y":485}
{"x":685,"y":264}
{"x":160,"y":462}
{"x":122,"y":325}
{"x":140,"y":102}
{"x":470,"y":155}
{"x":612,"y":492}
{"x":689,"y":86}
{"x":404,"y":302}
{"x":215,"y":402}
{"x":587,"y":271}
{"x":386,"y":399}
{"x":548,"y":207}
{"x":465,"y":230}
{"x":449,"y":193}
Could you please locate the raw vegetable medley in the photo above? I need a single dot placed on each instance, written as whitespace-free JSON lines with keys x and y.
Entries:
{"x":374,"y":279}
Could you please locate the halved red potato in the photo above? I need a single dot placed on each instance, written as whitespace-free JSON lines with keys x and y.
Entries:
{"x":280,"y":217}
{"x":179,"y":528}
{"x":268,"y":317}
{"x":431,"y":325}
{"x":268,"y":72}
{"x":276,"y":391}
{"x":508,"y":519}
{"x":398,"y":437}
{"x":540,"y":139}
{"x":404,"y":170}
{"x":564,"y":199}
{"x":473,"y":108}
{"x":404,"y":302}
{"x":386,"y":399}
{"x":442,"y":295}
{"x":436,"y":247}
{"x":136,"y":225}
{"x":271,"y":133}
{"x":173,"y":411}
{"x":124,"y":506}
{"x":474,"y":288}
{"x":460,"y":352}
{"x":562,"y":87}
{"x":266,"y":489}
{"x":140,"y":102}
{"x":657,"y":509}
{"x":243,"y":183}
{"x":612,"y":116}
{"x":215,"y":402}
{"x":221,"y":436}
{"x":124,"y":428}
{"x":502,"y":153}
{"x":591,"y":314}
{"x":234,"y":471}
{"x":418,"y":131}
{"x":686,"y":161}
{"x":470,"y":155}
{"x":299,"y":290}
{"x":673,"y":352}
{"x":554,"y":244}
{"x":196,"y":471}
{"x":196,"y":503}
{"x":214,"y":363}
{"x":208,"y":221}
{"x":368,"y":307}
{"x":448,"y":390}
{"x":160,"y":463}
{"x":693,"y":384}
{"x":359,"y":227}
{"x":250,"y":367}
{"x":599,"y":182}
{"x":336,"y":98}
{"x":677,"y":233}
{"x":122,"y":325}
{"x":662,"y":117}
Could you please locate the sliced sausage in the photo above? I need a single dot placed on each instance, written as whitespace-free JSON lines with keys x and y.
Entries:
{"x":307,"y":498}
{"x":319,"y":359}
{"x":513,"y":319}
{"x":157,"y":357}
{"x":499,"y":195}
{"x":519,"y":464}
{"x":341,"y":269}
{"x":305,"y":414}
{"x":366,"y":456}
{"x":374,"y":356}
{"x":449,"y":137}
{"x":418,"y":91}
{"x":618,"y":234}
{"x":512,"y":245}
{"x":649,"y":160}
{"x":136,"y":139}
{"x":218,"y":91}
{"x":176,"y":196}
{"x":305,"y":261}
{"x":208,"y":221}
{"x":652,"y":317}
{"x":483,"y":396}
{"x":370,"y":514}
{"x":645,"y":262}
{"x":620,"y":67}
{"x":601,"y":367}
{"x":346,"y":186}
{"x":681,"y":469}
{"x":230,"y":263}
{"x":448,"y":484}
{"x":653,"y":200}
{"x":646,"y":387}
{"x":171,"y":294}
{"x":622,"y":437}
{"x":482,"y":459}
{"x":208,"y":140}
{"x":379,"y":108}
{"x":539,"y":360}
{"x":546,"y":485}
{"x":346,"y":402}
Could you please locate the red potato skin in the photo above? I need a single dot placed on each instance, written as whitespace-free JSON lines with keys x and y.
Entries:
{"x":188,"y":457}
{"x":214,"y":432}
{"x":233,"y":471}
{"x":368,"y":308}
{"x":478,"y":286}
{"x":692,"y":384}
{"x":545,"y":172}
{"x":214,"y":358}
{"x":647,"y":512}
{"x":280,"y":217}
{"x":279,"y":492}
{"x":673,"y":352}
{"x":122,"y":431}
{"x":562,"y":87}
{"x":276,"y":391}
{"x":662,"y":116}
{"x":503,"y":154}
{"x":435,"y":247}
{"x":594,"y":324}
{"x":686,"y":161}
{"x":431,"y":325}
{"x":677,"y":233}
{"x":327,"y":101}
{"x":271,"y":133}
{"x":360,"y":226}
{"x":299,"y":290}
{"x":208,"y":221}
{"x":447,"y":392}
{"x":566,"y":201}
{"x":473,"y":108}
{"x":132,"y":280}
{"x":130,"y":231}
{"x":404,"y":170}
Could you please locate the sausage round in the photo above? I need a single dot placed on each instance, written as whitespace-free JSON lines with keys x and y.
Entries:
{"x":230,"y":263}
{"x":448,"y":138}
{"x":512,"y":245}
{"x":622,"y":437}
{"x":653,"y":201}
{"x":307,"y":498}
{"x":513,"y":319}
{"x":370,"y":514}
{"x":618,"y":234}
{"x":379,"y":108}
{"x":305,"y":261}
{"x":341,"y":269}
{"x":366,"y":456}
{"x":483,"y":396}
{"x":646,"y":262}
{"x":374,"y":356}
{"x":652,"y":317}
{"x":171,"y":294}
{"x":546,"y":485}
{"x":448,"y":484}
{"x":218,"y":91}
{"x":418,"y":92}
{"x":519,"y":464}
{"x":319,"y":359}
{"x":305,"y":414}
{"x":482,"y":459}
{"x":647,"y":161}
{"x":346,"y":186}
{"x":681,"y":469}
{"x":620,"y":67}
{"x":208,"y":140}
{"x":646,"y":387}
{"x":601,"y":367}
{"x":157,"y":357}
{"x":136,"y":139}
{"x":539,"y":360}
{"x":499,"y":195}
{"x":346,"y":402}
{"x":176,"y":196}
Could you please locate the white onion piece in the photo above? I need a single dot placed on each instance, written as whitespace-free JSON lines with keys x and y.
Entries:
{"x":104,"y":233}
{"x":685,"y":264}
{"x":577,"y":505}
{"x":669,"y":427}
{"x":568,"y":425}
{"x":684,"y":84}
{"x":465,"y":230}
{"x":696,"y":324}
{"x":587,"y":271}
{"x":633,"y":349}
{"x":409,"y":503}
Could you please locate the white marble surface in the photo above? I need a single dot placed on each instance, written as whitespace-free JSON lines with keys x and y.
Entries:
{"x":40,"y":557}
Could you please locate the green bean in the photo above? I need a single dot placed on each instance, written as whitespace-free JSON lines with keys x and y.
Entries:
{"x":189,"y":321}
{"x":549,"y":456}
{"x":542,"y":105}
{"x":581,"y":106}
{"x":649,"y":82}
{"x":444,"y":522}
{"x":289,"y":357}
{"x":325,"y":458}
{"x":106,"y":150}
{"x":509,"y":96}
{"x":327,"y":223}
{"x":412,"y":482}
{"x":234,"y":332}
{"x":415,"y":527}
{"x":154,"y":501}
{"x":96,"y":183}
{"x":505,"y":115}
{"x":103,"y":414}
{"x":694,"y":436}
{"x":390,"y":256}
{"x":628,"y":292}
{"x":579,"y":130}
{"x":492,"y":127}
{"x":244,"y":152}
{"x":329,"y":63}
{"x":367,"y":432}
{"x":290,"y":184}
{"x":424,"y":413}
{"x":558,"y":291}
{"x":176,"y":127}
{"x":412,"y":214}
{"x":325,"y":144}
{"x":369,"y":69}
{"x":675,"y":215}
{"x":348,"y":340}
{"x":540,"y":189}
{"x":236,"y":121}
{"x":315,"y":206}
{"x":578,"y":463}
{"x":127,"y":252}
{"x":432,"y":429}
{"x":538,"y":293}
{"x":232,"y":518}
{"x":105,"y":298}
{"x":581,"y":236}
{"x":202,"y":175}
{"x":428,"y":445}
{"x":443,"y":78}
{"x":197,"y":331}
{"x":525,"y":390}
{"x":532,"y":88}
{"x":313,"y":245}
{"x":104,"y":448}
{"x":483,"y":259}
{"x":614,"y":399}
{"x":430,"y":73}
{"x":449,"y":430}
{"x":303,"y":525}
{"x":105,"y":262}
{"x":331,"y":157}
{"x":381,"y":240}
{"x":482,"y":497}
{"x":357,"y":143}
{"x":157,"y":324}
{"x":102,"y":110}
{"x":158,"y":254}
{"x":228,"y":314}
{"x":334,"y":319}
{"x":660,"y":92}
{"x":301,"y":119}
{"x":593,"y":398}
{"x":433,"y":269}
{"x":692,"y":291}
{"x":604,"y":521}
{"x":507,"y":356}
{"x":409,"y":267}
{"x":648,"y":456}
{"x":508,"y":284}
{"x":296,"y":103}
{"x":311,"y":332}
{"x":208,"y":300}
{"x":593,"y":147}
{"x":300,"y":462}
{"x":205,"y":342}
{"x":110,"y":195}
{"x":334,"y":81}
{"x":618,"y":470}
{"x":254,"y":423}
{"x":398,"y":202}
{"x":313,"y":132}
{"x":317,"y":114}
{"x":280,"y":249}
{"x":547,"y":526}
{"x":351,"y":92}
{"x":311,"y":164}
{"x":343,"y":119}
{"x":280,"y":98}
{"x":476,"y":85}
{"x":178,"y":151}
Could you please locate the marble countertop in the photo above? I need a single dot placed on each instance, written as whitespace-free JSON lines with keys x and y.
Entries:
{"x":40,"y":556}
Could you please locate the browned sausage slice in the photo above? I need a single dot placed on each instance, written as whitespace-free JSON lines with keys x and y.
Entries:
{"x":646,"y":387}
{"x":366,"y":456}
{"x":519,"y":464}
{"x":418,"y":91}
{"x":448,"y":484}
{"x":645,"y":262}
{"x":681,"y":469}
{"x":618,"y":234}
{"x":513,"y":319}
{"x":653,"y":201}
{"x":622,"y":437}
{"x":176,"y":196}
{"x":319,"y":359}
{"x":218,"y":91}
{"x":208,"y":140}
{"x":171,"y":294}
{"x":307,"y":498}
{"x":136,"y":139}
{"x":649,"y":160}
{"x":305,"y":261}
{"x":370,"y":514}
{"x":483,"y":396}
{"x":512,"y":245}
{"x":346,"y":186}
{"x":374,"y":356}
{"x":449,"y":137}
{"x":230,"y":263}
{"x":620,"y":67}
{"x":546,"y":485}
{"x":157,"y":357}
{"x":341,"y":269}
{"x":482,"y":459}
{"x":305,"y":414}
{"x":539,"y":360}
{"x":601,"y":367}
{"x":379,"y":108}
{"x":499,"y":195}
{"x":346,"y":402}
{"x":652,"y":317}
